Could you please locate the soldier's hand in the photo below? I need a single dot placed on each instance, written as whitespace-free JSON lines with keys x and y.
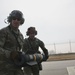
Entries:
{"x":46,"y":57}
{"x":14,"y":55}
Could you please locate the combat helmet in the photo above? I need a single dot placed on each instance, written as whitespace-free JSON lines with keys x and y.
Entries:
{"x":16,"y":13}
{"x":31,"y":30}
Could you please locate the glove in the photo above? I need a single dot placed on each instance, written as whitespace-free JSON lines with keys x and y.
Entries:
{"x":46,"y":57}
{"x":15,"y":56}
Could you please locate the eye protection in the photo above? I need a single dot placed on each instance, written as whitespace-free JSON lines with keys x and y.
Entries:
{"x":16,"y":18}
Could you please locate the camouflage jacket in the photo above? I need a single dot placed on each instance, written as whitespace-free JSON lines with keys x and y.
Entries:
{"x":32,"y":46}
{"x":9,"y":41}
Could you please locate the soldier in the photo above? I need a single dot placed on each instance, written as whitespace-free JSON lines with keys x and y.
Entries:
{"x":11,"y":40}
{"x":31,"y":46}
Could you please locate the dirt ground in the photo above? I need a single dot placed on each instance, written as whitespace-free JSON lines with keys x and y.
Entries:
{"x":66,"y":56}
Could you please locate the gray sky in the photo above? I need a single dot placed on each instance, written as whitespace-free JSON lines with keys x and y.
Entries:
{"x":54,"y":19}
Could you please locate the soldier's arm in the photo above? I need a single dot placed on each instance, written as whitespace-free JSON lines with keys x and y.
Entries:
{"x":3,"y":52}
{"x":42,"y":45}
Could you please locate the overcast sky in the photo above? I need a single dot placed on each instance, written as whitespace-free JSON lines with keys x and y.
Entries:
{"x":54,"y":19}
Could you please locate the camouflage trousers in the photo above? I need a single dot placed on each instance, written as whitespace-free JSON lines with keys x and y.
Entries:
{"x":10,"y":69}
{"x":31,"y":70}
{"x":11,"y":72}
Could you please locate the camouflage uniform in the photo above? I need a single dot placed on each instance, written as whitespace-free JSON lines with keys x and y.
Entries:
{"x":9,"y":41}
{"x":32,"y":47}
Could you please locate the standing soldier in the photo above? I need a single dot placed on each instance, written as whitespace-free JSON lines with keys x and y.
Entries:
{"x":31,"y":46}
{"x":11,"y":40}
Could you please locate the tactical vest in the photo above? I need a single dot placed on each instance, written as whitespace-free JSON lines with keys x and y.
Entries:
{"x":32,"y":46}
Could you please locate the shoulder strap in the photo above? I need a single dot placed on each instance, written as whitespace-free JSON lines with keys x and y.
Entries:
{"x":29,"y":43}
{"x":15,"y":37}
